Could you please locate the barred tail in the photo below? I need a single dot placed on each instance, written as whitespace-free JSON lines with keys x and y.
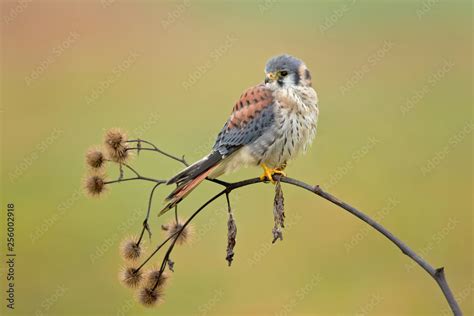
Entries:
{"x":190,"y":178}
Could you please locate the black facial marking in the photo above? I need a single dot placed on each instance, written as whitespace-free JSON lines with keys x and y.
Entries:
{"x":296,"y":78}
{"x":307,"y":75}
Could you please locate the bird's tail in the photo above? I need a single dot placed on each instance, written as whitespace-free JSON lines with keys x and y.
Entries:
{"x":190,"y":178}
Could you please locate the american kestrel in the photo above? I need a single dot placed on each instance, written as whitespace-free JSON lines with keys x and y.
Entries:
{"x":269,"y":125}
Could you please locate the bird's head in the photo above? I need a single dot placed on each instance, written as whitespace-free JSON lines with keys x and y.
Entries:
{"x":285,"y":71}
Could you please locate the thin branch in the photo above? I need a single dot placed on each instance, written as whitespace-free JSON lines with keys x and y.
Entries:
{"x":156,"y":250}
{"x":145,"y":222}
{"x":131,"y":169}
{"x":135,"y":178}
{"x":181,"y":160}
{"x":156,"y":149}
{"x":437,"y":274}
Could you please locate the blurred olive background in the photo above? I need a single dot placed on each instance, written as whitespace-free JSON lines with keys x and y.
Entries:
{"x":394,"y":139}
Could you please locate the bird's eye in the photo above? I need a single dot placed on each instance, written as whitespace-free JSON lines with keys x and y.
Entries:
{"x":284,"y":73}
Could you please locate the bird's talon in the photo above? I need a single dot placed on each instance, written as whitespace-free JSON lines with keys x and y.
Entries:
{"x":269,"y":172}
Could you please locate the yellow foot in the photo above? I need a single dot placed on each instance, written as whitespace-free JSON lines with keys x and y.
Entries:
{"x":268,"y":173}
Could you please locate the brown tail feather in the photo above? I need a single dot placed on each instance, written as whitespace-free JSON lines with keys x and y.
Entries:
{"x":183,"y":190}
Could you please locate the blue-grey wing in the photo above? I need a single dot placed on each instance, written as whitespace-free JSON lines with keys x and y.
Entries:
{"x":251,"y":117}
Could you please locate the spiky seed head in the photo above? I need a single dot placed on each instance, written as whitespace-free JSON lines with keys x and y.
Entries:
{"x":95,"y":184}
{"x":95,"y":158}
{"x":174,"y":227}
{"x":116,"y":144}
{"x":131,"y":277}
{"x":115,"y":137}
{"x":153,"y":277}
{"x":130,"y":249}
{"x":149,"y":297}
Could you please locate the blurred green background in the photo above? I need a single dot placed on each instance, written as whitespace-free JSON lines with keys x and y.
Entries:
{"x":394,"y":139}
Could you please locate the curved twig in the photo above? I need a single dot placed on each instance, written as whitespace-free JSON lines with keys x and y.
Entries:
{"x":181,"y":160}
{"x":437,"y":274}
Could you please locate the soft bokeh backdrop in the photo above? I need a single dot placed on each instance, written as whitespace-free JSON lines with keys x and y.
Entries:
{"x":395,"y":139}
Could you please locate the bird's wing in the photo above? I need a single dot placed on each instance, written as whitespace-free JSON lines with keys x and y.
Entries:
{"x":251,"y":116}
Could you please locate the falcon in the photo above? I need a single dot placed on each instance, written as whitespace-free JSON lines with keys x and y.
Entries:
{"x":269,"y":125}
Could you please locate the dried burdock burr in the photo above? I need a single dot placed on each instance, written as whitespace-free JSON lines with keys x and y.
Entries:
{"x":131,"y":277}
{"x":95,"y":158}
{"x":174,"y":228}
{"x":130,"y":249}
{"x":149,"y":297}
{"x":154,"y":277}
{"x":116,"y":144}
{"x":95,"y":184}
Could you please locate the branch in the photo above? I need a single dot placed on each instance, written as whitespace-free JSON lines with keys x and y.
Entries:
{"x":437,"y":274}
{"x":96,"y":187}
{"x":156,"y":149}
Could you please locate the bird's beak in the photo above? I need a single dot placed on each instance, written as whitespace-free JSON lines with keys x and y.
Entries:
{"x":271,"y":76}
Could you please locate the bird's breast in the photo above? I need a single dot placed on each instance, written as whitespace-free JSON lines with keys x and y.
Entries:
{"x":296,"y":120}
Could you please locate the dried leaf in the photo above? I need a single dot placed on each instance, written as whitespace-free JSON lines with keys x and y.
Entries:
{"x":139,"y":146}
{"x":278,"y":213}
{"x":231,"y":233}
{"x":121,"y":175}
{"x":277,"y":234}
{"x":170,"y":265}
{"x":147,"y":228}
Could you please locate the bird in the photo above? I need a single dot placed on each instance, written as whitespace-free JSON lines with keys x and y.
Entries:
{"x":269,"y":125}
